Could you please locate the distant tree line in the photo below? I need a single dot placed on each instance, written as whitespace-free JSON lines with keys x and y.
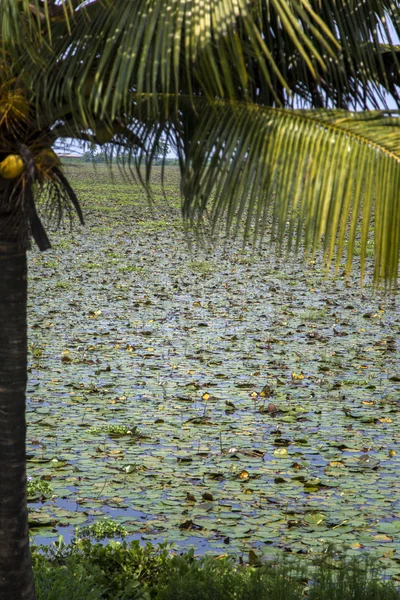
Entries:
{"x":100,"y":156}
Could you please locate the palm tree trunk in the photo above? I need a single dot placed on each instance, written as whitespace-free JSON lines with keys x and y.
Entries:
{"x":16,"y":578}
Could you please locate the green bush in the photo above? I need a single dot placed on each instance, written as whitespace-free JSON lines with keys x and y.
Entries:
{"x":121,"y":571}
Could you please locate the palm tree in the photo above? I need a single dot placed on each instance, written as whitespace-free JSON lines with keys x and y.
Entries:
{"x":275,"y":108}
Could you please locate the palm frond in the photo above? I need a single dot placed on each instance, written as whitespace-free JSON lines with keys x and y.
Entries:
{"x":215,"y":47}
{"x":274,"y":52}
{"x":26,"y":27}
{"x":313,"y":175}
{"x":158,"y":46}
{"x":54,"y":202}
{"x":38,"y":16}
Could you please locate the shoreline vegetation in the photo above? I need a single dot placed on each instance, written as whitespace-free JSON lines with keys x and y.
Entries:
{"x":121,"y":571}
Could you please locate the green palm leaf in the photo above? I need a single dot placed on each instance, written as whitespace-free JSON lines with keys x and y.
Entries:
{"x":158,"y":45}
{"x":269,"y":51}
{"x":313,"y":175}
{"x":274,"y":52}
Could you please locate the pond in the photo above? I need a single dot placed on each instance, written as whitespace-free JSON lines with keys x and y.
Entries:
{"x":218,"y":397}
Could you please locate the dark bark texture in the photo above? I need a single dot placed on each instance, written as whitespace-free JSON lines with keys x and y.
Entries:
{"x":16,"y":579}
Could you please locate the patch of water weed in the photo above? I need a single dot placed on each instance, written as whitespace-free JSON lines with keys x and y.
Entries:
{"x":37,"y":489}
{"x":62,"y":285}
{"x":313,"y":314}
{"x":202,"y":267}
{"x":369,"y":249}
{"x":154,"y":225}
{"x":51,"y":264}
{"x":37,"y":354}
{"x":106,"y":528}
{"x":115,"y":430}
{"x":131,"y":269}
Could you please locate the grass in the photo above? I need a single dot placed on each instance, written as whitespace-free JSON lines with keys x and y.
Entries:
{"x":63,"y":583}
{"x":121,"y":571}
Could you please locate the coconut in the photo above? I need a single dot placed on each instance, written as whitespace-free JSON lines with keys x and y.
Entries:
{"x":12,"y":166}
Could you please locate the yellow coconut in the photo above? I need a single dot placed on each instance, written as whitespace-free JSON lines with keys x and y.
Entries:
{"x":11,"y":167}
